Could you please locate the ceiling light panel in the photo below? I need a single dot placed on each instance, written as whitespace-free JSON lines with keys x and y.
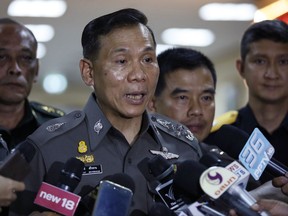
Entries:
{"x":43,"y":33}
{"x":227,"y":12}
{"x":188,"y":37}
{"x":37,"y":8}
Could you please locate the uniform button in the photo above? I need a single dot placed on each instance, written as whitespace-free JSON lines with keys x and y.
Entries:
{"x":129,"y":160}
{"x":77,"y":115}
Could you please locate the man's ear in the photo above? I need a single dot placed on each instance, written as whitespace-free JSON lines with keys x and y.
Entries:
{"x":239,"y":66}
{"x":151,"y":105}
{"x":86,"y":69}
{"x":35,"y":79}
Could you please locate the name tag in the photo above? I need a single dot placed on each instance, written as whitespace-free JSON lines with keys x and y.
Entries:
{"x":92,"y":170}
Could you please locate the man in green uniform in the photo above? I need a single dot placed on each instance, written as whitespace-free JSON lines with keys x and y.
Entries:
{"x":18,"y":117}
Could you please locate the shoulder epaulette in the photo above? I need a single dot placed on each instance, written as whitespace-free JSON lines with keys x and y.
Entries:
{"x":226,"y":118}
{"x":48,"y":110}
{"x":172,"y":127}
{"x":57,"y":126}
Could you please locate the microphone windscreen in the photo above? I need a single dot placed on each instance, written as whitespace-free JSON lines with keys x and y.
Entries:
{"x":228,"y":138}
{"x":159,"y":209}
{"x":186,"y":178}
{"x":26,"y":150}
{"x":71,"y":174}
{"x":137,"y":212}
{"x":160,"y":167}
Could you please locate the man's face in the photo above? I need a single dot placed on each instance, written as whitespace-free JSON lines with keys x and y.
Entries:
{"x":265,"y":71}
{"x":125,"y":72}
{"x":18,"y":63}
{"x":189,"y":98}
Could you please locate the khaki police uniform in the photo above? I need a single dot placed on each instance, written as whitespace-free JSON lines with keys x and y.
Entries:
{"x":89,"y":136}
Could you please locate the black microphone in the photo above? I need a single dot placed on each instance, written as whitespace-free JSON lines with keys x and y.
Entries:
{"x":71,"y":174}
{"x":16,"y":164}
{"x":137,"y":212}
{"x":163,"y":171}
{"x":160,"y":209}
{"x":229,"y":139}
{"x":59,"y":198}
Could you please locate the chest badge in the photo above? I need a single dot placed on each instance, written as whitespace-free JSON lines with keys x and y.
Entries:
{"x":86,"y":158}
{"x":82,"y":147}
{"x":164,"y":153}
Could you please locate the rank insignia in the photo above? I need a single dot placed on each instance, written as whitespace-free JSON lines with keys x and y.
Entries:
{"x":167,"y":155}
{"x":189,"y":135}
{"x":98,"y":126}
{"x":54,"y":127}
{"x":86,"y":158}
{"x":82,"y":147}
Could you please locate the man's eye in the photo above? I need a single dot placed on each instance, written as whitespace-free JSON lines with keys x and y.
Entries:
{"x":27,"y":58}
{"x":259,"y":61}
{"x":148,"y":59}
{"x":3,"y":57}
{"x":121,"y":61}
{"x":207,"y":98}
{"x":284,"y":61}
{"x":182,"y":97}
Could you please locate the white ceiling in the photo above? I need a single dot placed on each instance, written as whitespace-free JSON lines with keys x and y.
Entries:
{"x":64,"y":51}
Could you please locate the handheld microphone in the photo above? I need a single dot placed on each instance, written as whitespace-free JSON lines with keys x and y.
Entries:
{"x":160,"y":209}
{"x":59,"y":198}
{"x":137,"y":212}
{"x":16,"y":165}
{"x":232,"y":140}
{"x":114,"y":198}
{"x":187,"y":179}
{"x":219,"y":182}
{"x":186,"y":182}
{"x":163,"y":171}
{"x":216,"y":158}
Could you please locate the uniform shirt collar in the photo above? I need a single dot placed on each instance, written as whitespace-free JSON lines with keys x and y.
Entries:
{"x":100,"y":125}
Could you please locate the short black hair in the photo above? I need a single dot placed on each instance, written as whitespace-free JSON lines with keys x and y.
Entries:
{"x":181,"y":58}
{"x":105,"y":24}
{"x":6,"y":20}
{"x":274,"y":30}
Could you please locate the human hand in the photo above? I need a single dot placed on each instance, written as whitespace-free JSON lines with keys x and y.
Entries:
{"x":273,"y":207}
{"x":281,"y":182}
{"x":8,"y":187}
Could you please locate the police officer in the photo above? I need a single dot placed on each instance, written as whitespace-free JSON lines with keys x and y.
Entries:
{"x":18,"y":71}
{"x":18,"y":117}
{"x":263,"y":66}
{"x":113,"y":133}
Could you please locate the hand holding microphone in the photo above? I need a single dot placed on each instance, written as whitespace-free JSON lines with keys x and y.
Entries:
{"x":13,"y":170}
{"x":8,"y":187}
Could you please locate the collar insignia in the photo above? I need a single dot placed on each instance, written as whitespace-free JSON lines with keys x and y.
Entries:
{"x":98,"y":126}
{"x":189,"y":135}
